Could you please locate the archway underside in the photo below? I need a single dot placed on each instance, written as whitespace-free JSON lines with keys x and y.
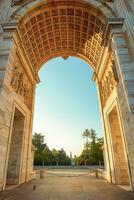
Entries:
{"x":62,"y":30}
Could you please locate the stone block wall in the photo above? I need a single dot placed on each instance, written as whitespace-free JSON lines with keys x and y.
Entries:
{"x":15,"y":93}
{"x":18,"y":79}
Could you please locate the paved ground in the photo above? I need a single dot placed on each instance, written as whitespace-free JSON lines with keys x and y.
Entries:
{"x":72,"y":186}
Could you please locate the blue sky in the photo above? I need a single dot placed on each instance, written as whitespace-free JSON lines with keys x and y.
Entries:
{"x":66,"y":103}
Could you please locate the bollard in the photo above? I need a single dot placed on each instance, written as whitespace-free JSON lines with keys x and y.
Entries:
{"x":42,"y":173}
{"x":96,"y":174}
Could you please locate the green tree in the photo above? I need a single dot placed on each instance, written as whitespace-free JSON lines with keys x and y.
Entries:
{"x":62,"y":158}
{"x":38,"y":142}
{"x":96,"y":154}
{"x":86,"y":135}
{"x":92,"y":153}
{"x":90,"y":135}
{"x":54,"y":157}
{"x":44,"y":156}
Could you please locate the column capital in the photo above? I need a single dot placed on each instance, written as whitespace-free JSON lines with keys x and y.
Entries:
{"x":116,"y":25}
{"x":9,"y":29}
{"x":9,"y":26}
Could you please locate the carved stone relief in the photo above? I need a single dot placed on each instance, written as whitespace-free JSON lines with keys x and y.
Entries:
{"x":21,"y":85}
{"x":108,"y":83}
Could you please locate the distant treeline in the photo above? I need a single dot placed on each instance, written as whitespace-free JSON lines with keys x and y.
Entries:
{"x":45,"y":156}
{"x":91,"y":154}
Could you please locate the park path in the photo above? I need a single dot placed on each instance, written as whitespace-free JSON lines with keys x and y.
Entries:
{"x":67,"y":186}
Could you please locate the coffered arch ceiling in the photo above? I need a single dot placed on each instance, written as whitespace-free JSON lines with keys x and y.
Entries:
{"x":62,"y":29}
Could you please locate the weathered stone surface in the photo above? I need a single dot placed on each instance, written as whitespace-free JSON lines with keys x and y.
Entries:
{"x":99,"y":32}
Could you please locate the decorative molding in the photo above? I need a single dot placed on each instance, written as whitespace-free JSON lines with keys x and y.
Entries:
{"x":65,"y":57}
{"x":63,"y":29}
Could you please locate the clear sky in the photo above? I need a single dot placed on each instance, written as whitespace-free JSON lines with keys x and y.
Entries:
{"x":66,"y":103}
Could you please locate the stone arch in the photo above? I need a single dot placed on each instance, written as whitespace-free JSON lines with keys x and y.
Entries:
{"x":64,"y":29}
{"x":39,"y":31}
{"x":93,"y":31}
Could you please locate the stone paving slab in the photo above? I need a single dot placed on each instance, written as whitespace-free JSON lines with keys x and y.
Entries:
{"x":67,"y":188}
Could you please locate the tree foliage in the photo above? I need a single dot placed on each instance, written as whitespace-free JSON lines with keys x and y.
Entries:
{"x":45,"y":156}
{"x":92,"y":153}
{"x":90,"y":136}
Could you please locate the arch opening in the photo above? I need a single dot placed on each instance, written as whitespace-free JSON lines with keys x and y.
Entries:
{"x":66,"y":104}
{"x":76,"y":29}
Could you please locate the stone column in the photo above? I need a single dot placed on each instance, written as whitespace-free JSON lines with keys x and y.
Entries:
{"x":12,"y":53}
{"x":125,"y":90}
{"x":124,"y":61}
{"x":5,"y":101}
{"x":107,"y":172}
{"x":30,"y":146}
{"x":5,"y":47}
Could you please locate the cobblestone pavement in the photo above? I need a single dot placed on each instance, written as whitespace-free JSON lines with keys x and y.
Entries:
{"x":70,"y":186}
